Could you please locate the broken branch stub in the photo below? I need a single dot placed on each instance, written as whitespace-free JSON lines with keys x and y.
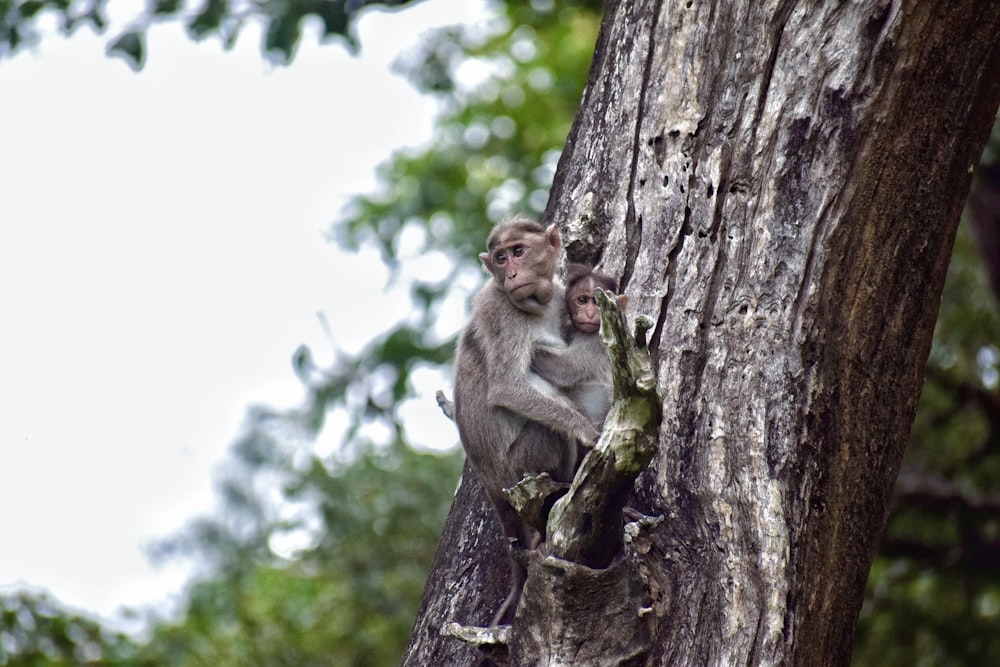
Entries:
{"x":533,"y":496}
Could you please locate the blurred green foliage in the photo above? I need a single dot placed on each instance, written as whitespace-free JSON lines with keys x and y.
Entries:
{"x":319,"y":557}
{"x":37,"y":630}
{"x":329,"y":574}
{"x":282,"y":21}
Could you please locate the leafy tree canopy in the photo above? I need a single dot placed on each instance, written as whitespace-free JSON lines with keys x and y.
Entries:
{"x":37,"y":630}
{"x":282,"y":22}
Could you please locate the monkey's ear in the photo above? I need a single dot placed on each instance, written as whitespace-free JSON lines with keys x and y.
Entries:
{"x":484,"y":257}
{"x":552,"y":236}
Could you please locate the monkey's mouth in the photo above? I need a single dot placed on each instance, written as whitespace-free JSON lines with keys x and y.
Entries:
{"x":523,"y":292}
{"x":588,"y":327}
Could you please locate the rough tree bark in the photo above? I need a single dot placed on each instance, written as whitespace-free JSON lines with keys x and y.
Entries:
{"x":778,"y":185}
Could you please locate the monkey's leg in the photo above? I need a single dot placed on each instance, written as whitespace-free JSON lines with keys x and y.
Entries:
{"x":518,"y":575}
{"x":521,"y":539}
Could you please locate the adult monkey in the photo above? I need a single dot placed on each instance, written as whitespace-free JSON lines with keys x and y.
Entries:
{"x":510,"y":420}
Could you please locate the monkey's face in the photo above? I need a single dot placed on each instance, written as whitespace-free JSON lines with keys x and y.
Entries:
{"x":523,"y":263}
{"x":582,"y":307}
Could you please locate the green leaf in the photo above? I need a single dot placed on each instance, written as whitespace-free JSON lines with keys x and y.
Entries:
{"x":165,"y":7}
{"x":208,"y":19}
{"x":334,"y":16}
{"x":130,"y":46}
{"x":31,"y":8}
{"x":282,"y":37}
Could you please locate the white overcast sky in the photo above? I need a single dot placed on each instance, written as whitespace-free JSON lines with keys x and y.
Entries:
{"x":161,"y":258}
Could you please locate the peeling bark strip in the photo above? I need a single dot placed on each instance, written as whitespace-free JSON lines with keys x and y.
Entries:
{"x":778,"y":184}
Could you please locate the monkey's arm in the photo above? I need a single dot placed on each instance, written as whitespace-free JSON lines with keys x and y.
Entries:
{"x":504,"y":340}
{"x":551,"y":344}
{"x":524,"y":399}
{"x":562,"y":369}
{"x":584,"y":360}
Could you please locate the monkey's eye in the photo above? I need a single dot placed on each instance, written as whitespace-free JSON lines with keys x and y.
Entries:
{"x":582,"y":300}
{"x":500,"y":258}
{"x":518,"y":250}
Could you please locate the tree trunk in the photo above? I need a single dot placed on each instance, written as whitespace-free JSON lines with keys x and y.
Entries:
{"x":469,"y":579}
{"x":777,"y":185}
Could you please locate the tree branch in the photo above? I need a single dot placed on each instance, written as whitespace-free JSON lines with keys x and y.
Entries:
{"x":976,"y":556}
{"x":966,"y":392}
{"x":921,"y":489}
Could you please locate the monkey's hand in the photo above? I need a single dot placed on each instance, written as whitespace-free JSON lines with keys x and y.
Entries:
{"x":559,"y":366}
{"x":588,"y":437}
{"x":447,"y":407}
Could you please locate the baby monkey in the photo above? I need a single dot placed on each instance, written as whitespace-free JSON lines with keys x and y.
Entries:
{"x":586,"y":380}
